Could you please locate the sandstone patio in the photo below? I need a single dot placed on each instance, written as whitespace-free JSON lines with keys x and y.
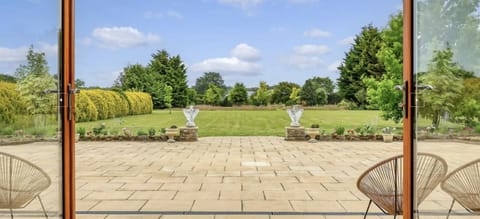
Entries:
{"x":230,"y":177}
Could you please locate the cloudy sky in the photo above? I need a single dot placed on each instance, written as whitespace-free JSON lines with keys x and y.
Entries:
{"x":245,"y":40}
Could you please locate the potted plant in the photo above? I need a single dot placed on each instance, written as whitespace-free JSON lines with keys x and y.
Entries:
{"x":340,"y":133}
{"x":142,"y":135}
{"x":312,"y":132}
{"x":387,"y":134}
{"x":151,"y":133}
{"x":171,"y":133}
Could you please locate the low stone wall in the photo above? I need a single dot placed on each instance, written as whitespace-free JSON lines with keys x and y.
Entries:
{"x":295,"y":134}
{"x":188,"y":134}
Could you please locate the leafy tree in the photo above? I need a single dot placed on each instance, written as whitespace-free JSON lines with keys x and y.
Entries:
{"x":36,"y":65}
{"x":201,"y":84}
{"x":238,"y":94}
{"x":8,"y":78}
{"x":469,"y":100}
{"x":192,"y":96}
{"x":446,"y":87}
{"x":314,"y":91}
{"x":449,"y":24}
{"x":79,"y":83}
{"x":261,"y":95}
{"x":361,"y":61}
{"x":167,"y":97}
{"x":214,"y":95}
{"x":294,"y":97}
{"x":172,"y":72}
{"x":282,"y":91}
{"x":33,"y":80}
{"x":380,"y":93}
{"x":134,"y":77}
{"x":138,"y":78}
{"x":178,"y":72}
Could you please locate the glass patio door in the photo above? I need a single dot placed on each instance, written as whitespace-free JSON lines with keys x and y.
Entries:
{"x":31,"y":130}
{"x":446,"y":67}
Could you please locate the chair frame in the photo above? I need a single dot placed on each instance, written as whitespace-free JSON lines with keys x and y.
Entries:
{"x":397,"y":177}
{"x":36,"y":193}
{"x":448,"y":191}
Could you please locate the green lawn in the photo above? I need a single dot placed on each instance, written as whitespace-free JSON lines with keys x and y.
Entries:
{"x":245,"y":122}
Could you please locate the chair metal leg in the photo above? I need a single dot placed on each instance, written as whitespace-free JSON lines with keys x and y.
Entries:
{"x":450,"y":210}
{"x":11,"y":213}
{"x":368,"y":207}
{"x":43,"y":207}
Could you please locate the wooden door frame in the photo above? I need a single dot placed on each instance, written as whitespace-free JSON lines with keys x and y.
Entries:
{"x":67,"y":80}
{"x":409,"y":111}
{"x":67,"y":73}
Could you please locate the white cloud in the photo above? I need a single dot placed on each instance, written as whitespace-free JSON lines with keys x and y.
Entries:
{"x":245,"y":52}
{"x":244,"y":61}
{"x":334,"y":66}
{"x":316,"y":33}
{"x":304,"y":62}
{"x":244,"y":4}
{"x":232,"y":65}
{"x":158,"y":15}
{"x":49,"y":49}
{"x":122,"y":37}
{"x":347,"y":41}
{"x":13,"y":55}
{"x":311,"y":49}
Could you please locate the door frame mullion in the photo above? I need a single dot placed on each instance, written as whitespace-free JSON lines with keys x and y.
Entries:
{"x":408,"y":119}
{"x":67,"y":47}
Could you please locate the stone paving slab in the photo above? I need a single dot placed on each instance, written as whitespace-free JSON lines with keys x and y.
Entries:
{"x":237,"y":174}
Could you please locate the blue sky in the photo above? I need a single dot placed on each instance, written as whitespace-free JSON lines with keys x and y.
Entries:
{"x":245,"y":40}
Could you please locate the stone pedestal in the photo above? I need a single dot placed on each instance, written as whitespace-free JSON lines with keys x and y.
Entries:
{"x":295,"y":133}
{"x":188,"y":134}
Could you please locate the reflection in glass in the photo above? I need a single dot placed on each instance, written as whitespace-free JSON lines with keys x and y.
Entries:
{"x":30,"y":152}
{"x":447,"y":48}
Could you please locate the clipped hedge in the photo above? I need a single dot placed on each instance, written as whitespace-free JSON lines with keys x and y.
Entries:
{"x":11,"y":103}
{"x":97,"y":104}
{"x":85,"y":109}
{"x":140,"y":102}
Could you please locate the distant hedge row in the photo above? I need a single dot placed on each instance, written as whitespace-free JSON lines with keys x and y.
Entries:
{"x":99,"y":104}
{"x":11,"y":103}
{"x":90,"y":105}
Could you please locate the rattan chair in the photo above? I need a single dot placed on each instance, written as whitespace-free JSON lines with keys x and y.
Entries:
{"x":463,"y":184}
{"x":20,"y":183}
{"x":382,"y":183}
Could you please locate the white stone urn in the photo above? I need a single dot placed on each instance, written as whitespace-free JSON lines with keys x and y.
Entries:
{"x":171,"y":133}
{"x":387,"y":138}
{"x":312,"y":133}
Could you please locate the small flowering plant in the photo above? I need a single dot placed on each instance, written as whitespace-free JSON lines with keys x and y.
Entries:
{"x":388,"y":130}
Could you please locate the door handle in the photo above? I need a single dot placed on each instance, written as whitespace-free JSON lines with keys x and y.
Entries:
{"x":404,"y":103}
{"x":424,"y":87}
{"x":70,"y":94}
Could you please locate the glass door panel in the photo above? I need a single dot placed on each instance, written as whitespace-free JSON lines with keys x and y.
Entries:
{"x":30,"y":134}
{"x":446,"y":74}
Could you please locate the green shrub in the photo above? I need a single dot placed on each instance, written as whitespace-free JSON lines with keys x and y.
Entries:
{"x":477,"y":129}
{"x":340,"y":130}
{"x":39,"y":132}
{"x":7,"y":131}
{"x":141,"y":133}
{"x":81,"y":131}
{"x":315,"y":126}
{"x":12,"y":104}
{"x":151,"y":131}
